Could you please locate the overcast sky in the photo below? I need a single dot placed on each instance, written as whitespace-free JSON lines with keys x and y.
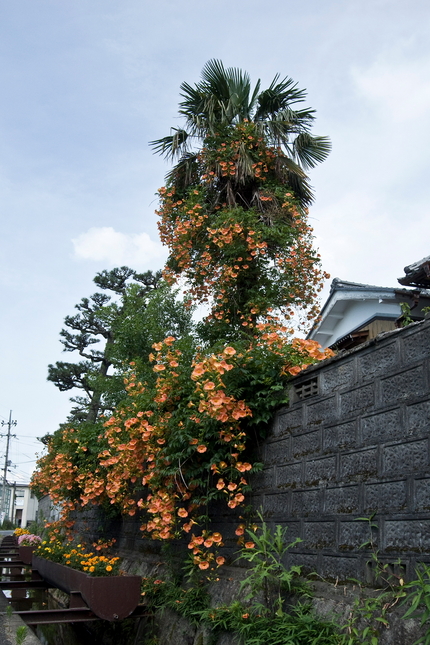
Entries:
{"x":86,"y":84}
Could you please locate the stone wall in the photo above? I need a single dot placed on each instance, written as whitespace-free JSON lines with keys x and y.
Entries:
{"x":354,"y":443}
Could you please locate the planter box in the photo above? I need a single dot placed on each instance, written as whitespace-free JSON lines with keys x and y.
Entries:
{"x":26,"y":553}
{"x":110,"y":597}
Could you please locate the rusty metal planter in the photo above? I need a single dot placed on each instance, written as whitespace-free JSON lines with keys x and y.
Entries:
{"x":109,"y":597}
{"x":26,"y":553}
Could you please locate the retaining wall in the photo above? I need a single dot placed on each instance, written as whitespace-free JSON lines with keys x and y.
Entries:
{"x":356,"y":446}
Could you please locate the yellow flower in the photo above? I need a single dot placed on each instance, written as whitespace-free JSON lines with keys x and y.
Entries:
{"x":108,"y":568}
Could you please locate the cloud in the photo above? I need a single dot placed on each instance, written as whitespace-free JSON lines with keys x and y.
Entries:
{"x":399,"y":89}
{"x":116,"y":249}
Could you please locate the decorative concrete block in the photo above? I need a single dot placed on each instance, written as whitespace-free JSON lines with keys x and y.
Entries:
{"x":418,"y":418}
{"x":264,"y":480}
{"x":353,"y":535}
{"x":306,"y":444}
{"x":308,"y":562}
{"x":422,"y":495}
{"x":322,"y":412}
{"x":406,"y":458}
{"x":319,"y":535}
{"x":339,"y":568}
{"x":417,"y":346}
{"x":385,"y":426}
{"x":339,"y":377}
{"x":305,"y":503}
{"x":320,"y":471}
{"x":341,"y":500}
{"x":289,"y":475}
{"x":277,"y":505}
{"x":360,"y":400}
{"x":340,"y":437}
{"x":386,"y":497}
{"x":359,"y":466}
{"x":292,"y":532}
{"x":378,"y":361}
{"x":288,"y":421}
{"x":276,"y":452}
{"x":406,"y":385}
{"x":407,"y":535}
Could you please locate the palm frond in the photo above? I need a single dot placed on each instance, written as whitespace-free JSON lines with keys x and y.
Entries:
{"x":239,"y":90}
{"x":286,"y":165}
{"x":277,"y":97}
{"x":310,"y":150}
{"x":205,"y":105}
{"x":185,"y":173}
{"x":215,"y":79}
{"x":193,"y":103}
{"x":171,"y":145}
{"x":295,"y":177}
{"x":301,"y":188}
{"x":244,"y":169}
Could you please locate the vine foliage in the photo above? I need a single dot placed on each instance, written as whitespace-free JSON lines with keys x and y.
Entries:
{"x":186,"y":432}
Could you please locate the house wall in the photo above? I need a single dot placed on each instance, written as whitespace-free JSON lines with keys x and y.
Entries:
{"x":24,"y":505}
{"x":358,"y":311}
{"x":30,"y":507}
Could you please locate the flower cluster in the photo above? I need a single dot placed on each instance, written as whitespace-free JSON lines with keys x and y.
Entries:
{"x":103,"y":545}
{"x":21,"y":531}
{"x":29,"y":540}
{"x":239,"y":237}
{"x":77,"y":558}
{"x":205,"y":550}
{"x":189,"y":423}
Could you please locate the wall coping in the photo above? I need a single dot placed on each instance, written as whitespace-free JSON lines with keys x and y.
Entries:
{"x":380,"y":338}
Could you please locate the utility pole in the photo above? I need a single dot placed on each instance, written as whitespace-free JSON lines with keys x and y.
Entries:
{"x":12,"y":514}
{"x":9,"y":424}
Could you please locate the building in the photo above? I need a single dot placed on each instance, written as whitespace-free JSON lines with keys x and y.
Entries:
{"x":417,"y":274}
{"x":355,"y":313}
{"x":23,"y":505}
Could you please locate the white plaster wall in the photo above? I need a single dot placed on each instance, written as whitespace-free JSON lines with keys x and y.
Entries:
{"x":357,"y":312}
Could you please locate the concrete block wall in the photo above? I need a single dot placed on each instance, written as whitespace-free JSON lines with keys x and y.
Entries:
{"x":357,"y":448}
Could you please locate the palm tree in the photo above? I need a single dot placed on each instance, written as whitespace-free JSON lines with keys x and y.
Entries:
{"x":224,"y":98}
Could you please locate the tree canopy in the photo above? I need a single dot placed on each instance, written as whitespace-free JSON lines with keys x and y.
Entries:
{"x":99,"y":320}
{"x":225,"y":98}
{"x":233,"y":212}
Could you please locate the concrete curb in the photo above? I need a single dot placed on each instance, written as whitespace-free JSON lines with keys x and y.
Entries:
{"x":9,"y":625}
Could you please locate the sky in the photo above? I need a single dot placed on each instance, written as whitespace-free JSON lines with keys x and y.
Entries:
{"x":86,"y":85}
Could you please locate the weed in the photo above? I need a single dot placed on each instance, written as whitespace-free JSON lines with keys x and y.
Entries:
{"x":21,"y":634}
{"x":271,"y":614}
{"x":405,"y":319}
{"x":268,"y":574}
{"x":369,"y":613}
{"x":419,"y":598}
